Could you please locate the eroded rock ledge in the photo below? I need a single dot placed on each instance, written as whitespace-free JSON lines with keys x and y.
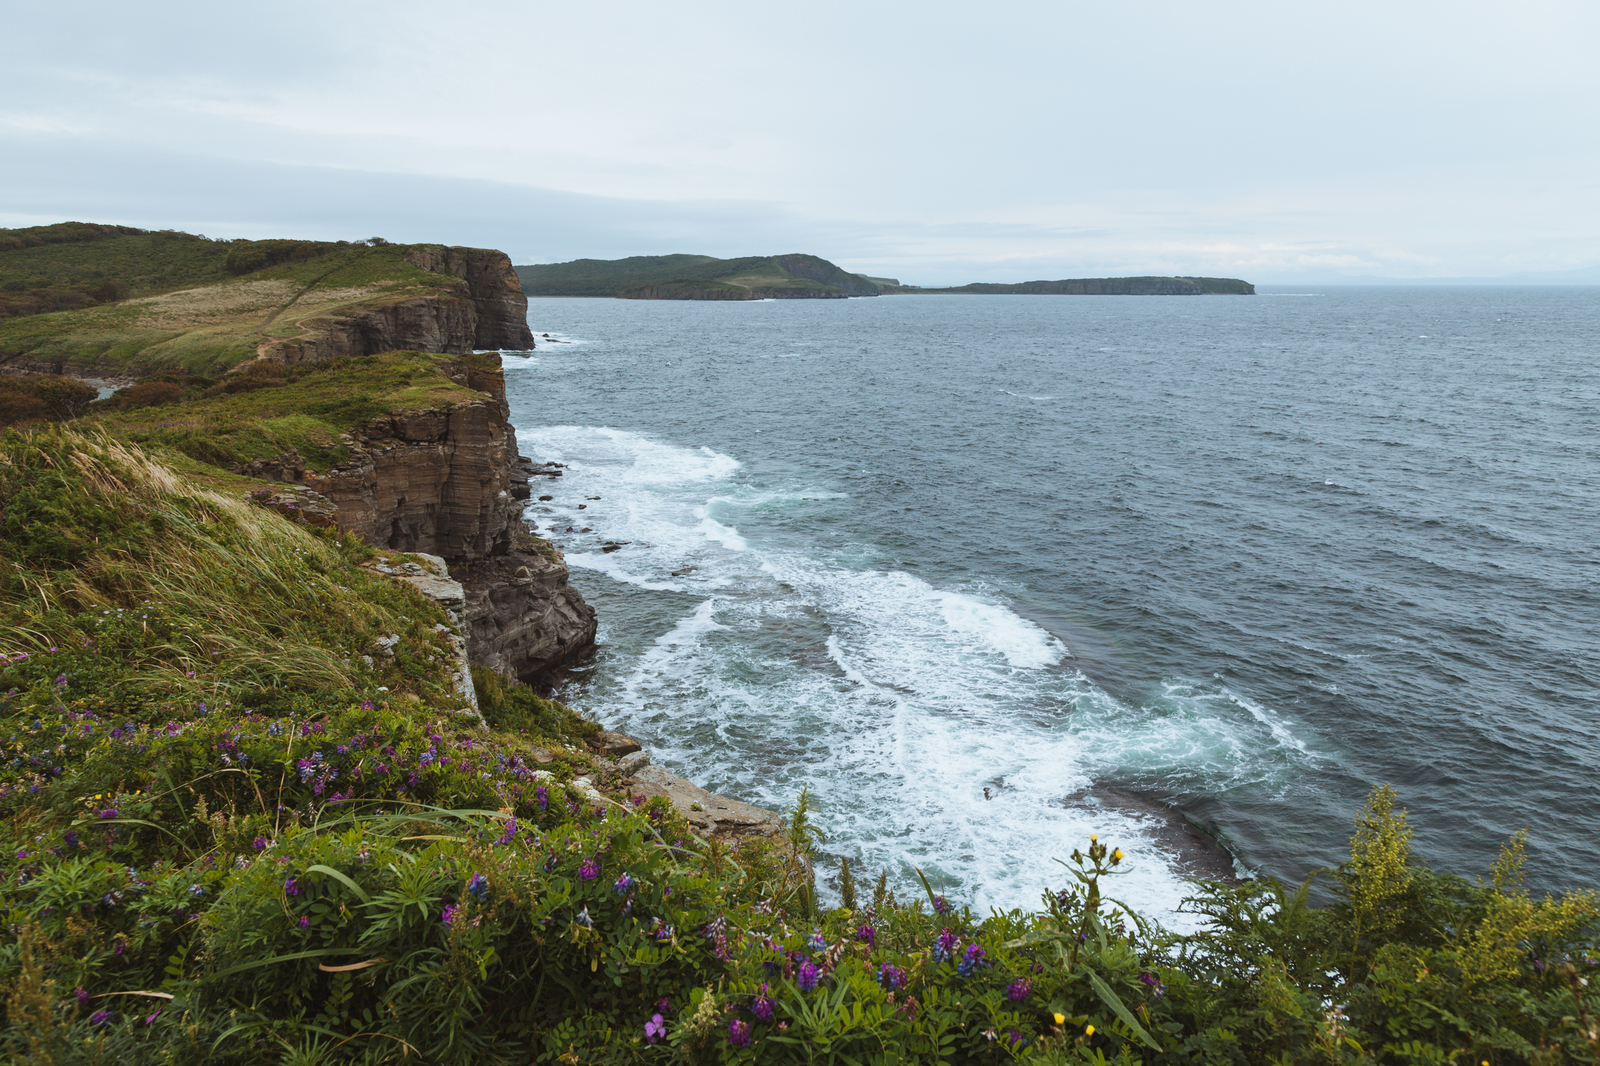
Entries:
{"x":447,"y":481}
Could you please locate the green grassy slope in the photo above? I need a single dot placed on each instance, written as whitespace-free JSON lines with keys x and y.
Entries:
{"x":198,"y":305}
{"x":695,"y":277}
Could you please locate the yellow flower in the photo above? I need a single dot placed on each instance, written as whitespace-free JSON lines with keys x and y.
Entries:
{"x":1089,"y":1031}
{"x":1116,"y":856}
{"x":1060,"y":1018}
{"x":1093,"y":837}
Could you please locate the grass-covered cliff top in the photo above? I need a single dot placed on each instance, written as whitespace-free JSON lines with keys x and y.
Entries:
{"x":694,"y":277}
{"x":120,"y":301}
{"x":269,"y":409}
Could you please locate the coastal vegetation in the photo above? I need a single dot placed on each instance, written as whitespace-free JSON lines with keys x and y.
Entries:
{"x":236,"y":829}
{"x":120,"y":302}
{"x":249,"y":815}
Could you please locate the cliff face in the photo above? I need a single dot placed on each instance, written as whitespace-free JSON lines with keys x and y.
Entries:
{"x":449,"y":482}
{"x":485,"y":308}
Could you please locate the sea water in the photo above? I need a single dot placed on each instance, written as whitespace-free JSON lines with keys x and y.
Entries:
{"x":987,"y":574}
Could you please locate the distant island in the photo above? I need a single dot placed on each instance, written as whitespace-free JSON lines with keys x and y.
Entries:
{"x":808,"y":277}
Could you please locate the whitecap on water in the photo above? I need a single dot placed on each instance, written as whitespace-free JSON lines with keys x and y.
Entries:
{"x":896,"y":702}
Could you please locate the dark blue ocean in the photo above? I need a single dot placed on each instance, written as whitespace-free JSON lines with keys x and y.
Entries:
{"x":1244,"y":557}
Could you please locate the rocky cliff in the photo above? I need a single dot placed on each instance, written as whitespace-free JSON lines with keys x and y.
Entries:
{"x":484,"y":308}
{"x":448,"y":481}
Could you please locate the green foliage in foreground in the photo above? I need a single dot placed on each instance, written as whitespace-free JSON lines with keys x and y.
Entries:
{"x":231,"y":838}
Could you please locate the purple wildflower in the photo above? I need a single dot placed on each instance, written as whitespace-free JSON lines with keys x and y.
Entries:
{"x":449,"y":915}
{"x":817,"y":942}
{"x":1153,"y":983}
{"x":739,"y":1033}
{"x":941,"y":905}
{"x":589,"y":870}
{"x":1019,"y":990}
{"x":762,"y":1005}
{"x":511,"y":831}
{"x":891,"y":977}
{"x":807,"y":976}
{"x":478,"y":887}
{"x":305,"y":923}
{"x":544,"y":797}
{"x":259,"y":843}
{"x":290,"y":888}
{"x":110,"y":812}
{"x":867,"y":935}
{"x":970,"y":962}
{"x":150,"y":1019}
{"x":622,"y":885}
{"x":584,"y":919}
{"x":946,"y":946}
{"x":82,"y":994}
{"x":654,"y":1029}
{"x":101,"y":1017}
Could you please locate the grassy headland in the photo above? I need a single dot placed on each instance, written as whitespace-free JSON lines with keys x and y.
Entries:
{"x":696,"y":277}
{"x":132,"y":303}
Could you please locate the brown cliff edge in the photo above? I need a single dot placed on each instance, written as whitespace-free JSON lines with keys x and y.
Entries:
{"x":448,"y":481}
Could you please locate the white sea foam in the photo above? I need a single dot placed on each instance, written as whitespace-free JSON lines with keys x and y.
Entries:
{"x":895,"y":701}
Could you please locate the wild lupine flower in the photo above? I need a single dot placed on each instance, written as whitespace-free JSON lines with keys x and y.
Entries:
{"x":654,"y":1029}
{"x":970,"y":961}
{"x":449,"y":915}
{"x":584,"y":919}
{"x":1019,"y":990}
{"x":946,"y":946}
{"x":622,"y":885}
{"x":511,"y":832}
{"x":817,"y":942}
{"x":739,"y":1033}
{"x":867,"y":935}
{"x":589,"y":870}
{"x":941,"y":905}
{"x":762,"y":1005}
{"x":478,"y":887}
{"x":891,"y":977}
{"x":807,"y":976}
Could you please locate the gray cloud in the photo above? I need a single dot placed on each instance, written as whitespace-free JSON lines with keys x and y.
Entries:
{"x":928,"y":142}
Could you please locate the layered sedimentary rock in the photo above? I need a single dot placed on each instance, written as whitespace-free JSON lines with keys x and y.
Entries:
{"x":448,"y":481}
{"x":484,"y":309}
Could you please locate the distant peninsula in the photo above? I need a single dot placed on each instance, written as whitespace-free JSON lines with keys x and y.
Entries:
{"x":808,"y":277}
{"x":697,"y":277}
{"x":1143,"y":286}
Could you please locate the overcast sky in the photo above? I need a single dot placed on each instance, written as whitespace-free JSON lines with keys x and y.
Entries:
{"x":935,"y":142}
